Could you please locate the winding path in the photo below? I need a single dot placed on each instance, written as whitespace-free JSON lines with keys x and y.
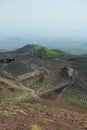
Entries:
{"x":55,"y":102}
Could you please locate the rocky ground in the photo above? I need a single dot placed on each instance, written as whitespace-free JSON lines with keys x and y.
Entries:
{"x":43,"y":94}
{"x":23,"y":116}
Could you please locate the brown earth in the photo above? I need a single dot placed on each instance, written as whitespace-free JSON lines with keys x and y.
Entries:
{"x":24,"y":117}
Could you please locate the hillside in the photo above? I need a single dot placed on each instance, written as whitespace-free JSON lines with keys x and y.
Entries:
{"x":41,"y":52}
{"x":37,"y":68}
{"x":37,"y":79}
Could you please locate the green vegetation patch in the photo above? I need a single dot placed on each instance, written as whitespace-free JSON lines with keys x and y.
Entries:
{"x":30,"y":101}
{"x":46,"y":53}
{"x":36,"y":127}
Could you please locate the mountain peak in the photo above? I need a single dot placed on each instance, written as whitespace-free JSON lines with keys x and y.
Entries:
{"x":40,"y":51}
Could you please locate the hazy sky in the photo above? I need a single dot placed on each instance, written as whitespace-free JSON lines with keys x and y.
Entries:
{"x":43,"y":18}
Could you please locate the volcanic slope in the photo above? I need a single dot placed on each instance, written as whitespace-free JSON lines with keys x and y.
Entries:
{"x":33,"y":80}
{"x":51,"y":74}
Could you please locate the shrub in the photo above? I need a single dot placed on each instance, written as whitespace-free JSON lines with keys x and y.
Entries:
{"x":35,"y":127}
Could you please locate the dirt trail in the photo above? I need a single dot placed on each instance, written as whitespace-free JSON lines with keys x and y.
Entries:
{"x":55,"y":102}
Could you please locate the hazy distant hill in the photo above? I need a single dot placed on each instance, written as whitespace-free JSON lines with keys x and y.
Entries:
{"x":75,"y":51}
{"x":12,"y":43}
{"x":3,"y":50}
{"x":71,"y":46}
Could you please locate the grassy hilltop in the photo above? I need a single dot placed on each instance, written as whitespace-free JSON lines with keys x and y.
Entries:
{"x":46,"y":53}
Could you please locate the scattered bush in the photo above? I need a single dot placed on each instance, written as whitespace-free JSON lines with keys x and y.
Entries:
{"x":35,"y":127}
